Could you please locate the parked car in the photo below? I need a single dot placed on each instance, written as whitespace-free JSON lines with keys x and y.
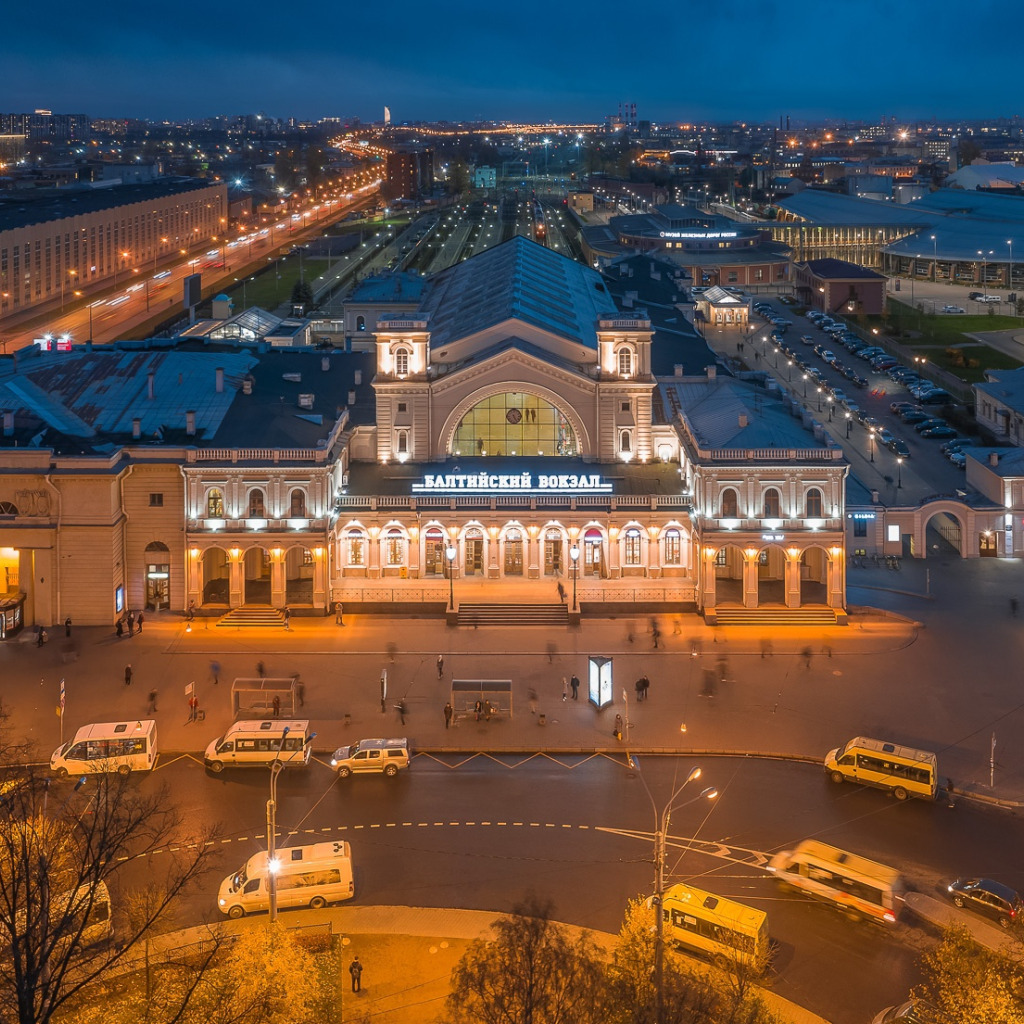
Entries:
{"x":899,"y":447}
{"x":852,"y":408}
{"x":987,"y":298}
{"x":914,"y":415}
{"x":928,"y":423}
{"x":880,"y":363}
{"x":934,"y":432}
{"x":861,"y":382}
{"x":936,"y":397}
{"x":958,"y":459}
{"x":993,"y":900}
{"x":806,"y":339}
{"x":898,"y":407}
{"x":870,"y":423}
{"x":839,"y":394}
{"x":914,"y":1011}
{"x":953,"y":309}
{"x":885,"y":436}
{"x":871,"y":351}
{"x":957,"y":444}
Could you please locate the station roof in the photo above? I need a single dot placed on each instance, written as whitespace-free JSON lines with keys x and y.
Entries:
{"x":831,"y":209}
{"x":19,"y":210}
{"x":399,"y":286}
{"x":517,"y":280}
{"x":840,"y":270}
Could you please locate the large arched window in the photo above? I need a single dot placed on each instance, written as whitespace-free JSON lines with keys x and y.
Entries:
{"x":728,"y":504}
{"x":673,"y":547}
{"x":401,"y":362}
{"x":814,"y":503}
{"x":625,"y":360}
{"x":257,"y":506}
{"x":298,"y":504}
{"x":215,"y":503}
{"x":8,"y":508}
{"x":632,"y":547}
{"x":772,"y":504}
{"x":356,"y":547}
{"x":625,"y":442}
{"x":394,"y":547}
{"x":514,"y":423}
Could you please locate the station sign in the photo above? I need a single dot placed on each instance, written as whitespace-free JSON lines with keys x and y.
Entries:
{"x":698,"y":234}
{"x":512,"y":483}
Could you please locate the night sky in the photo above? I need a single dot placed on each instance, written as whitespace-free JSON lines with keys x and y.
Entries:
{"x":682,"y":60}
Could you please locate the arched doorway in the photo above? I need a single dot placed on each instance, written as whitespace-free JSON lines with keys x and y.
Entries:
{"x":298,"y":576}
{"x":771,"y":576}
{"x":473,"y":548}
{"x":514,"y":423}
{"x":433,"y":552}
{"x":943,"y":536}
{"x":513,"y":545}
{"x":814,"y":576}
{"x":216,"y":577}
{"x":158,"y":576}
{"x":729,"y":563}
{"x":593,"y":553}
{"x":554,"y":546}
{"x":256,"y":577}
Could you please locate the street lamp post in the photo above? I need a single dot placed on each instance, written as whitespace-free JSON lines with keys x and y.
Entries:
{"x":935,"y":258}
{"x":849,"y":423}
{"x":574,"y":555}
{"x":805,"y":385}
{"x":1009,"y":271}
{"x":871,"y":443}
{"x":449,"y":554}
{"x":899,"y":471}
{"x":831,"y":407}
{"x":819,"y":399}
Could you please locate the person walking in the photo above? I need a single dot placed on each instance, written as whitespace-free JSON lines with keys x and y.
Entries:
{"x":215,"y":671}
{"x":139,"y":621}
{"x":645,"y":685}
{"x":565,"y":689}
{"x":531,"y":699}
{"x":617,"y":731}
{"x":300,"y":691}
{"x":339,"y":614}
{"x":574,"y":685}
{"x":639,"y":687}
{"x":561,"y":592}
{"x":131,"y":624}
{"x":807,"y":654}
{"x":766,"y":648}
{"x":276,"y":704}
{"x":193,"y":708}
{"x":191,"y":613}
{"x":261,"y":670}
{"x":151,"y":709}
{"x":119,"y":629}
{"x":448,"y":716}
{"x":440,"y":666}
{"x":67,"y":626}
{"x":400,"y":708}
{"x":356,"y":970}
{"x":288,"y":618}
{"x":127,"y":675}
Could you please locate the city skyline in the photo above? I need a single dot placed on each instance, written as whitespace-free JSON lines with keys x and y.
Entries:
{"x":849,"y":62}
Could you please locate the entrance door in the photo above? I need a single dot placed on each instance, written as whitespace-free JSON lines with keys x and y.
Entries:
{"x":553,"y":554}
{"x":474,"y":547}
{"x":593,"y":559}
{"x":433,"y":553}
{"x":987,"y":547}
{"x":158,"y":587}
{"x":513,"y":553}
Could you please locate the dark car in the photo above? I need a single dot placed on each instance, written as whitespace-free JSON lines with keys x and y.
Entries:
{"x":936,"y":397}
{"x":914,"y":415}
{"x":929,"y":424}
{"x":900,"y":407}
{"x":914,"y":1011}
{"x":899,"y":447}
{"x":934,"y":432}
{"x":991,"y":899}
{"x":861,"y":382}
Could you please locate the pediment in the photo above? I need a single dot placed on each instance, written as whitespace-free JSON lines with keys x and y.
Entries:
{"x":515,"y":362}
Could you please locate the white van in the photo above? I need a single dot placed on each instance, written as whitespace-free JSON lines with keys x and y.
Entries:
{"x":86,"y":907}
{"x":121,"y":747}
{"x":307,"y":876}
{"x":249,"y":744}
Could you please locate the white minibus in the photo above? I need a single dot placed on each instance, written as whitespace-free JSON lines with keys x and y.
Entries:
{"x":904,"y":770}
{"x":252,"y":744}
{"x":307,"y":876}
{"x":107,"y":747}
{"x":850,"y":882}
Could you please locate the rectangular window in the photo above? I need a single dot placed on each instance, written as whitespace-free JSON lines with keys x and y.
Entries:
{"x":632,"y":546}
{"x":357,"y":551}
{"x":892,"y":533}
{"x":672,"y":548}
{"x":156,"y":501}
{"x":401,"y":406}
{"x":860,"y":527}
{"x":395,"y":550}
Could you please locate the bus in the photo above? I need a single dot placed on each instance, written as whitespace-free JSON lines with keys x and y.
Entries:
{"x":121,"y":747}
{"x":715,"y":926}
{"x":854,"y":884}
{"x":904,"y":770}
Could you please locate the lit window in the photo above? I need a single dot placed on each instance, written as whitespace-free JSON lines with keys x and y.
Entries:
{"x":814,"y":503}
{"x":215,"y":504}
{"x":401,"y":362}
{"x":625,"y":362}
{"x":356,"y":548}
{"x":625,"y":441}
{"x":257,"y":507}
{"x":298,"y":504}
{"x":394,"y":544}
{"x":673,"y":547}
{"x":631,"y":545}
{"x":728,"y":504}
{"x":772,"y":504}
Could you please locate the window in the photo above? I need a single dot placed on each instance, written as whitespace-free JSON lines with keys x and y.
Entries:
{"x":402,"y":406}
{"x":360,"y":323}
{"x":356,"y":548}
{"x":215,"y":504}
{"x":625,"y":362}
{"x":156,"y":501}
{"x":257,"y":507}
{"x":298,"y":504}
{"x":402,"y":447}
{"x":772,"y":503}
{"x":394,"y":547}
{"x":728,"y":505}
{"x":721,"y":558}
{"x":673,"y":547}
{"x":401,"y":362}
{"x":632,"y":547}
{"x":625,"y":406}
{"x":307,"y":556}
{"x":814,"y":503}
{"x":892,"y":533}
{"x":860,"y":527}
{"x":625,"y":441}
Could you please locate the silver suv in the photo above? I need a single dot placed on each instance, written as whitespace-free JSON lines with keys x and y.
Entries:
{"x":387,"y":756}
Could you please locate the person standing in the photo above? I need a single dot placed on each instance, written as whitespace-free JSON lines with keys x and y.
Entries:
{"x":67,"y":626}
{"x":300,"y":692}
{"x":131,"y":624}
{"x":276,"y":703}
{"x":288,"y":618}
{"x":574,"y":684}
{"x":339,"y":614}
{"x":561,"y":592}
{"x":193,"y":708}
{"x":127,"y":675}
{"x":151,"y":709}
{"x":807,"y":654}
{"x":639,"y":687}
{"x":356,"y":970}
{"x":565,"y":688}
{"x":440,"y":666}
{"x":645,"y":685}
{"x":139,"y":621}
{"x":448,"y":715}
{"x":119,"y":629}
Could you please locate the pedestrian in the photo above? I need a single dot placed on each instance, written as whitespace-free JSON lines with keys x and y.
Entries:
{"x":617,"y":731}
{"x":487,"y":710}
{"x":630,"y":629}
{"x":440,"y":666}
{"x":708,"y":689}
{"x":131,"y":624}
{"x":531,"y":698}
{"x":723,"y":666}
{"x":1013,"y":608}
{"x":127,"y":675}
{"x":119,"y":629}
{"x":287,"y":618}
{"x":191,"y":614}
{"x":448,"y":715}
{"x":400,"y":708}
{"x":565,"y":689}
{"x":644,"y":687}
{"x":677,"y":626}
{"x":766,"y":648}
{"x":339,"y":614}
{"x":574,"y":684}
{"x":477,"y":707}
{"x":639,"y":687}
{"x":67,"y":626}
{"x":561,"y":592}
{"x":300,"y":691}
{"x":356,"y":970}
{"x":655,"y":636}
{"x":276,"y":705}
{"x":193,"y":708}
{"x":551,"y":654}
{"x":261,"y":670}
{"x":807,"y":654}
{"x":41,"y":638}
{"x":138,"y":621}
{"x":215,"y":671}
{"x":151,"y":709}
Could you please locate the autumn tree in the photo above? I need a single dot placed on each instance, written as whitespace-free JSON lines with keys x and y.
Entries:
{"x":62,"y":848}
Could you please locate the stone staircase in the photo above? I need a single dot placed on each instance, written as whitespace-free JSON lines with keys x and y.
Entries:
{"x":513,"y":615}
{"x":253,"y":615}
{"x":776,"y":616}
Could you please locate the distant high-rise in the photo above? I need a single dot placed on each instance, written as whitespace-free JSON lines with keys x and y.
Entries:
{"x":387,"y":115}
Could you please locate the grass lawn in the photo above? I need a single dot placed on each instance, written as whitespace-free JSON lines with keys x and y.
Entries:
{"x":987,"y":359}
{"x":267,"y":290}
{"x":949,"y":328}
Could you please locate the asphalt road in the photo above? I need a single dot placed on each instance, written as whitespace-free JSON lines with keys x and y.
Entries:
{"x":481,"y":833}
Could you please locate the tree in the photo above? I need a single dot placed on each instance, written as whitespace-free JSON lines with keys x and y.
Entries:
{"x":302,"y":293}
{"x":967,"y":152}
{"x":62,"y":848}
{"x":532,"y":972}
{"x":458,"y":179}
